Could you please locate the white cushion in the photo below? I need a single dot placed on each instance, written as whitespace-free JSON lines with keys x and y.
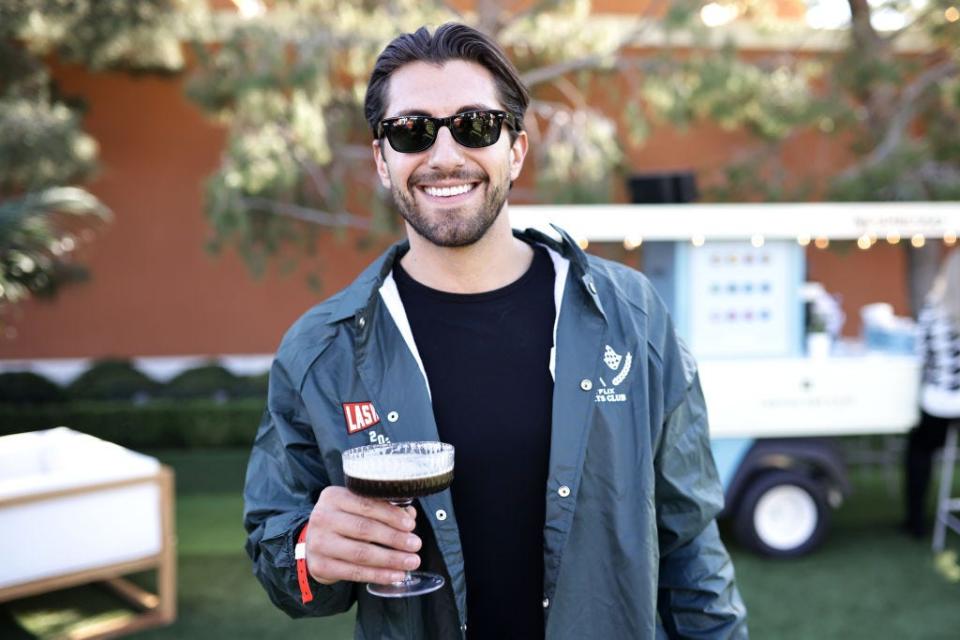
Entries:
{"x":61,"y":458}
{"x":56,"y":536}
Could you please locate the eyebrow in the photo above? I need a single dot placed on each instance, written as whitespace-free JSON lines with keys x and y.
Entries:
{"x":420,"y":112}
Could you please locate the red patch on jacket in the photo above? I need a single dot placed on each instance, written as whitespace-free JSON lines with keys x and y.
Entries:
{"x":359,"y":416}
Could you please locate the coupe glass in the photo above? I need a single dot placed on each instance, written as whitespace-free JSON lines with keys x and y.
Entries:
{"x":399,"y":472}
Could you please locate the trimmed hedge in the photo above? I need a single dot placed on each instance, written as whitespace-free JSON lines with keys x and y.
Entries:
{"x":209,"y":381}
{"x":120,"y":380}
{"x":253,"y":386}
{"x":180,"y":424}
{"x":113,"y":380}
{"x":24,"y":387}
{"x":214,"y":382}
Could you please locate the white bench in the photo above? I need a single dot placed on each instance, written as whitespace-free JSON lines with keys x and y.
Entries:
{"x":75,"y":509}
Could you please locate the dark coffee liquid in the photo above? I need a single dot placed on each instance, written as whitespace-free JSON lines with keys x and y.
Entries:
{"x":399,"y":489}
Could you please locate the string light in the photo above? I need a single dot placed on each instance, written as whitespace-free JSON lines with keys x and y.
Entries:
{"x":918,"y":240}
{"x":864,"y":242}
{"x":250,"y":8}
{"x":893,"y":237}
{"x":632,"y":242}
{"x":821,"y":242}
{"x":803,"y":240}
{"x":583,"y":243}
{"x":952,"y":14}
{"x":717,"y":14}
{"x":950,"y":238}
{"x":698,"y":240}
{"x":756,"y":241}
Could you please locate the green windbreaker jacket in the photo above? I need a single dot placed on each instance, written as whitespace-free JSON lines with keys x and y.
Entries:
{"x":630,"y":546}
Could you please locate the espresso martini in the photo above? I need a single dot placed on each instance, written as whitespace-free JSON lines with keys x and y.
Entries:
{"x":412,"y":486}
{"x":399,"y":472}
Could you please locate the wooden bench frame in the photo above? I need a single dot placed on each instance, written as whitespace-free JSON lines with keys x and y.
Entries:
{"x":156,"y":609}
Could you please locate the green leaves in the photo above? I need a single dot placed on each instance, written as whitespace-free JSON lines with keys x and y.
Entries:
{"x":289,"y":85}
{"x":43,"y":148}
{"x":38,"y":232}
{"x":41,"y":145}
{"x":100,"y":34}
{"x":576,"y":155}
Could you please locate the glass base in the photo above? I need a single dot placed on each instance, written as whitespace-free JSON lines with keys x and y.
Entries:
{"x":417,"y":583}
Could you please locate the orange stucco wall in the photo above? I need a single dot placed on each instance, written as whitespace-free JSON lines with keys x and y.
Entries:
{"x":155,"y":291}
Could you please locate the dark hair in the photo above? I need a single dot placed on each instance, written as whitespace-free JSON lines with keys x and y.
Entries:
{"x":451,"y":41}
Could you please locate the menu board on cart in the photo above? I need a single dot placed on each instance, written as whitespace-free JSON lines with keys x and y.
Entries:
{"x":744,"y":300}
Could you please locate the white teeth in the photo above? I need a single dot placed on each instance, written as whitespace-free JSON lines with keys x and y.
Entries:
{"x":446,"y":192}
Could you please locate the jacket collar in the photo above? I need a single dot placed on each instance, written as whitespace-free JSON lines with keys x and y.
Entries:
{"x":361,"y":294}
{"x":567,"y":247}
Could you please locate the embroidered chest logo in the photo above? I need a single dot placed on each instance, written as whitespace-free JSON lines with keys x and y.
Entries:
{"x":359,"y":416}
{"x":619,"y":364}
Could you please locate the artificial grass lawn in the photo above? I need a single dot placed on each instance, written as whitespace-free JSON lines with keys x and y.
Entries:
{"x":867,"y":581}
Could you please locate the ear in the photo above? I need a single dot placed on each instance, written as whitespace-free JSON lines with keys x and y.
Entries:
{"x":382,"y":170}
{"x":517,"y":153}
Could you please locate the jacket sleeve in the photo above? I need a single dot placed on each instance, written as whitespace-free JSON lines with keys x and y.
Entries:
{"x":697,"y":597}
{"x":284,"y":478}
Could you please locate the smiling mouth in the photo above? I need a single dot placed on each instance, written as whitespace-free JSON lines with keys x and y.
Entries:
{"x":449,"y":192}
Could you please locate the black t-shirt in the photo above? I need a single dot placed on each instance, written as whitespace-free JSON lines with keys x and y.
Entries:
{"x":486,"y":356}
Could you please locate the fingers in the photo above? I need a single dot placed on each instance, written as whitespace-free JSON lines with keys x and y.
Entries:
{"x":354,"y":538}
{"x":334,"y":557}
{"x":330,"y":571}
{"x":380,"y":510}
{"x":365,"y":554}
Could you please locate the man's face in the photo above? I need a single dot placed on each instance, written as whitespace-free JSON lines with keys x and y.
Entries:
{"x":449,"y":194}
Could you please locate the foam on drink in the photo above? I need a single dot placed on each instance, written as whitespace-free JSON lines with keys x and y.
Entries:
{"x":398,"y":475}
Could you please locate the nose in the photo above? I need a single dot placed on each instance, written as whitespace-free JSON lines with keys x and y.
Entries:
{"x":445,"y":153}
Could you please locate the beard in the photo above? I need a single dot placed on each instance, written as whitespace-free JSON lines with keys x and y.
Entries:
{"x":456,"y":226}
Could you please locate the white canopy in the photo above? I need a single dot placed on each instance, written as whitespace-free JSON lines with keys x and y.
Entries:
{"x":804,"y":222}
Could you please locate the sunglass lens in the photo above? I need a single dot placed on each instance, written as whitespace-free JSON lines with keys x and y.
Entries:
{"x":410,"y":135}
{"x":479,"y":129}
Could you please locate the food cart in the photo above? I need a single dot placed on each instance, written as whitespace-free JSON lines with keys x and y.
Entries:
{"x":733,"y":278}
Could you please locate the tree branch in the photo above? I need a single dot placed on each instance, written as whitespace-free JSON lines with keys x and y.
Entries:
{"x":570,"y":92}
{"x":536,"y":7}
{"x":449,"y":6}
{"x":906,"y":107}
{"x":545,"y":74}
{"x":549,"y":72}
{"x":488,"y":16}
{"x":864,"y":35}
{"x":355,"y":152}
{"x":306,"y":214}
{"x":932,"y":9}
{"x":320,"y":182}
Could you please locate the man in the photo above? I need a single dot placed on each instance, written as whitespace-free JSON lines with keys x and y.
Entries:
{"x":584,"y":495}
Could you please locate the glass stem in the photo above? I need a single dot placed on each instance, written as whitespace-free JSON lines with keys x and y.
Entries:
{"x":404,"y":503}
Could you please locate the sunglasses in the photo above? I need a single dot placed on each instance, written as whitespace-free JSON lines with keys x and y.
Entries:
{"x":474,"y":129}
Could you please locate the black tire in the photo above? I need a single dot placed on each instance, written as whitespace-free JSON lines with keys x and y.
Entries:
{"x":793,"y":519}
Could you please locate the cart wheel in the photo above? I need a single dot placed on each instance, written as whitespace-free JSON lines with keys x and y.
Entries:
{"x":783,"y":514}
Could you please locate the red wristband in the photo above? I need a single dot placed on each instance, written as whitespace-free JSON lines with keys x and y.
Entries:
{"x":300,"y":554}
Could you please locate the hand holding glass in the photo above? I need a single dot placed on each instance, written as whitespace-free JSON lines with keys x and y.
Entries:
{"x":398,"y":473}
